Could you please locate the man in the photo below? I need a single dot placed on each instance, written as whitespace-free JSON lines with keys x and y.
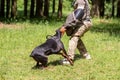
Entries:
{"x":77,"y":23}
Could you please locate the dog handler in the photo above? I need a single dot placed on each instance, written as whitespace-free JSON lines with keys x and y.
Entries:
{"x":77,"y":23}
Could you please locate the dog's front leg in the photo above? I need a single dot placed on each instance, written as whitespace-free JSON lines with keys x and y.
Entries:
{"x":64,"y":54}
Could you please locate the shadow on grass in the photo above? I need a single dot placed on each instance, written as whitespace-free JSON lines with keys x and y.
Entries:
{"x":113,"y":28}
{"x":58,"y":62}
{"x":54,"y":63}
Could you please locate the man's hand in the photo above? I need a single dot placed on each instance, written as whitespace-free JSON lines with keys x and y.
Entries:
{"x":62,"y":30}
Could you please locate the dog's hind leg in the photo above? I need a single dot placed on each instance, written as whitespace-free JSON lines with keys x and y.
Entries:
{"x":37,"y":62}
{"x":44,"y":61}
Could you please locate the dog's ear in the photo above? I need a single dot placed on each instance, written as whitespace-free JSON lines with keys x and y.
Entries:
{"x":57,"y":30}
{"x":48,"y":36}
{"x":58,"y":33}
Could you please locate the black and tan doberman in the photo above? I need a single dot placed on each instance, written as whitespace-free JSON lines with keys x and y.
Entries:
{"x":53,"y":45}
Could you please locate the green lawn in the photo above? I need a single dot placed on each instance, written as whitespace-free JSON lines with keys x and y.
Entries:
{"x":18,"y":40}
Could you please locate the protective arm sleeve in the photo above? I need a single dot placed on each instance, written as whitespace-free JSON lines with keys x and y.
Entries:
{"x":87,"y":7}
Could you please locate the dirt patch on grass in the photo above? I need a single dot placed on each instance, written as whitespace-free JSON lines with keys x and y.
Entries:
{"x":9,"y":26}
{"x":105,"y":21}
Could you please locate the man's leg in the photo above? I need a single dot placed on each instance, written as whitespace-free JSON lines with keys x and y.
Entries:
{"x":72,"y":46}
{"x":82,"y":49}
{"x":73,"y":42}
{"x":71,"y":49}
{"x":80,"y":32}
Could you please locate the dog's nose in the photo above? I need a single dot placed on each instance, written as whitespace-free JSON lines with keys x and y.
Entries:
{"x":62,"y":30}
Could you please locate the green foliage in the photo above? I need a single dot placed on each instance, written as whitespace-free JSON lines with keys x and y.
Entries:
{"x":108,"y":1}
{"x":18,"y":39}
{"x":66,"y":6}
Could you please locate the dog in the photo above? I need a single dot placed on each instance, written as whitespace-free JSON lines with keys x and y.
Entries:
{"x":53,"y":45}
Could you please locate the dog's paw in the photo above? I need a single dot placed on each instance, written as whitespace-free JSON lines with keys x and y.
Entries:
{"x":39,"y":67}
{"x":35,"y":67}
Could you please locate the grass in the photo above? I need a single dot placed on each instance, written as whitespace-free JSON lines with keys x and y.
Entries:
{"x":17,"y":40}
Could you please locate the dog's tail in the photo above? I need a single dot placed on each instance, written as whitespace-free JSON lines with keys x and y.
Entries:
{"x":31,"y":55}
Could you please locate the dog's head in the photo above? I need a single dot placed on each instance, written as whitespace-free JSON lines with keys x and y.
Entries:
{"x":58,"y":33}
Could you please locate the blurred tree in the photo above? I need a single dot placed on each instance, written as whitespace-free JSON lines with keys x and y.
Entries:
{"x":101,"y":7}
{"x":42,"y":8}
{"x":60,"y":8}
{"x":39,"y":8}
{"x":113,"y":7}
{"x":53,"y":7}
{"x":118,"y":8}
{"x":46,"y":8}
{"x":25,"y":7}
{"x":108,"y":1}
{"x":14,"y":9}
{"x":95,"y":8}
{"x":98,"y":9}
{"x":2,"y":8}
{"x":7,"y":8}
{"x":32,"y":8}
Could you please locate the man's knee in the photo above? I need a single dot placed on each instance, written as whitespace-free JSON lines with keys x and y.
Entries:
{"x":74,"y":38}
